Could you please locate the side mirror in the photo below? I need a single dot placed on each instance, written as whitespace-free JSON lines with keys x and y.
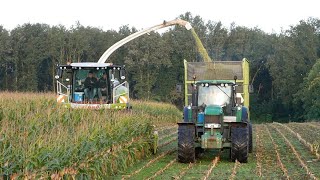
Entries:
{"x":178,"y":88}
{"x":112,"y":75}
{"x":251,"y":90}
{"x":123,"y":74}
{"x":59,"y":72}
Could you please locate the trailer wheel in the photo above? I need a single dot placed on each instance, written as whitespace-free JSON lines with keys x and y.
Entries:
{"x":239,"y":144}
{"x":186,"y":149}
{"x":250,"y":138}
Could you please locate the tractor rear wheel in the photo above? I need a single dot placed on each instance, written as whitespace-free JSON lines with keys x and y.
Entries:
{"x":250,"y":137}
{"x":186,"y":149}
{"x":239,"y":144}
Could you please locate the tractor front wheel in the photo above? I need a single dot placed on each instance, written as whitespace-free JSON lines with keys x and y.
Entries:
{"x":239,"y":144}
{"x":186,"y":149}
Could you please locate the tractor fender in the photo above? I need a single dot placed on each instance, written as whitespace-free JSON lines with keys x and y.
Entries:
{"x":186,"y":124}
{"x":238,"y":124}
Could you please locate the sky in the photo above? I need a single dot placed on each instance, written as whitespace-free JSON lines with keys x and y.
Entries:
{"x":268,"y":15}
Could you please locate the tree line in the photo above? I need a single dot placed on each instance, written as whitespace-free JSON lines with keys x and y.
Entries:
{"x":284,"y":67}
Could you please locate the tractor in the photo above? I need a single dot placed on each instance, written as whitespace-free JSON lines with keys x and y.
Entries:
{"x":216,"y":112}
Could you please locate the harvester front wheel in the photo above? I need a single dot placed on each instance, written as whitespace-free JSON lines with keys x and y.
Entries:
{"x":186,"y":149}
{"x":239,"y":144}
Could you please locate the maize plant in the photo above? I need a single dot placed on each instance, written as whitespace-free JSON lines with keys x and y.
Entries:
{"x":41,"y":139}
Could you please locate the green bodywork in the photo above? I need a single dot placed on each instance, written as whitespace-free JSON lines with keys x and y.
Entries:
{"x":211,"y":139}
{"x":213,"y":110}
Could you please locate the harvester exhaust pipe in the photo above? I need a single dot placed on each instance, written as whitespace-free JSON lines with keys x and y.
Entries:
{"x":120,"y":43}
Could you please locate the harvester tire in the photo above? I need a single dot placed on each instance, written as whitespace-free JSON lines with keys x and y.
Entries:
{"x":239,"y":144}
{"x":250,"y":137}
{"x":186,"y":149}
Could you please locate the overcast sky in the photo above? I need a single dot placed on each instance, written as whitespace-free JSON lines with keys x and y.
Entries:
{"x":268,"y":15}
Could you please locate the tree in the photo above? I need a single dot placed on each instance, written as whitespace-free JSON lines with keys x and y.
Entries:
{"x":146,"y":56}
{"x":309,"y":94}
{"x":29,"y":49}
{"x":295,"y":53}
{"x":217,"y":38}
{"x":6,"y":64}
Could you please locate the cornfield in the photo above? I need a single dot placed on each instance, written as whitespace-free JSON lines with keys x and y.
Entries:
{"x":40,"y":139}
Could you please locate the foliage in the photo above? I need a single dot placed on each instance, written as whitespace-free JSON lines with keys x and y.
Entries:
{"x":309,"y":93}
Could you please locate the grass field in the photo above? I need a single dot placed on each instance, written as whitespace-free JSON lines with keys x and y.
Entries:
{"x":39,"y":139}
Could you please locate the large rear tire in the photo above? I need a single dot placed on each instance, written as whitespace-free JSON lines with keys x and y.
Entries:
{"x":186,"y":149}
{"x":250,"y":138}
{"x":239,"y":144}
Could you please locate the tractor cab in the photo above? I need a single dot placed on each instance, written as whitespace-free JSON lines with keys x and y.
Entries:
{"x":92,"y":85}
{"x":215,"y":93}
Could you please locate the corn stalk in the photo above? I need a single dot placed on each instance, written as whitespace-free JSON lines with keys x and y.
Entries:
{"x":312,"y":147}
{"x":302,"y":163}
{"x":234,"y":170}
{"x":161,"y":170}
{"x":213,"y":164}
{"x":283,"y":168}
{"x":258,"y":152}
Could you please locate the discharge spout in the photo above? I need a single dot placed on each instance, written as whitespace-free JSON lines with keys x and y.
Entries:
{"x":120,"y":43}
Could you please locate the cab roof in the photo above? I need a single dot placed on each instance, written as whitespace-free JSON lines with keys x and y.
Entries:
{"x":88,"y":65}
{"x":218,"y":82}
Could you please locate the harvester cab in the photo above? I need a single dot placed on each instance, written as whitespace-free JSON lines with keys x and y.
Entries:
{"x":92,"y":85}
{"x":216,"y":115}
